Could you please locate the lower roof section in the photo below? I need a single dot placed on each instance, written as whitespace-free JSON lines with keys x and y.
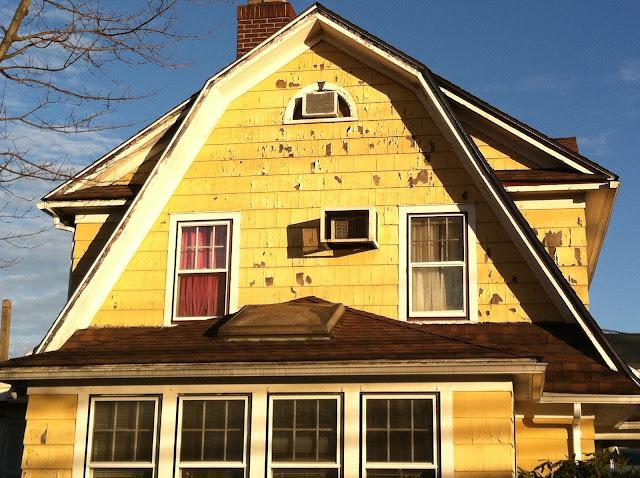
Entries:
{"x":358,"y":341}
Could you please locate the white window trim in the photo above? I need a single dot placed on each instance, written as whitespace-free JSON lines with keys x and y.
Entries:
{"x":350,"y":402}
{"x":401,"y":465}
{"x":291,"y":106}
{"x":213,"y":464}
{"x":172,"y":254}
{"x":90,"y":465}
{"x":403,"y":260}
{"x":310,"y":465}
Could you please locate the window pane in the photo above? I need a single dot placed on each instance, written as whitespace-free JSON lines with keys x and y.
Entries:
{"x":104,"y":415}
{"x":306,"y":446}
{"x":400,"y":446}
{"x":282,"y":445}
{"x":212,"y":473}
{"x":400,"y":414}
{"x":437,"y":288}
{"x":235,"y":445}
{"x":306,"y":413}
{"x":201,"y":295}
{"x":328,"y":411}
{"x":374,"y":473}
{"x":305,"y":473}
{"x":123,"y":473}
{"x":283,"y":413}
{"x":192,"y":414}
{"x":304,"y":430}
{"x":191,"y":446}
{"x":188,"y":247}
{"x":377,"y":414}
{"x":235,"y":419}
{"x":102,"y":445}
{"x":437,"y":239}
{"x":215,"y":414}
{"x":214,"y":445}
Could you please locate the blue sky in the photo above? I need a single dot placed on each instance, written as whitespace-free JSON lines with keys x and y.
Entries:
{"x":567,"y":68}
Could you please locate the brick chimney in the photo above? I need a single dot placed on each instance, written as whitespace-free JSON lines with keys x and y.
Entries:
{"x":260,"y":19}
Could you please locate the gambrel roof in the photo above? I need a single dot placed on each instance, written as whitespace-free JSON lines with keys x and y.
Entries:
{"x":185,"y":129}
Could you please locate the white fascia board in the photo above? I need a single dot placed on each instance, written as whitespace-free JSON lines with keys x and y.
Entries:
{"x":617,"y":436}
{"x":478,"y":368}
{"x":124,"y":242}
{"x":211,"y":103}
{"x":86,"y":203}
{"x":431,"y":102}
{"x":590,"y":398}
{"x":513,"y":227}
{"x":117,"y":152}
{"x":514,"y":131}
{"x":557,"y":187}
{"x":270,"y":56}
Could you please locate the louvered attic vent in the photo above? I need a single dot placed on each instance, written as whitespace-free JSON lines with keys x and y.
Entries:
{"x":349,"y":228}
{"x":320,"y":104}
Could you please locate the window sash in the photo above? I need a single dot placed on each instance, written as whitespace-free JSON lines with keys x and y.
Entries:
{"x":118,"y":465}
{"x":182,"y":464}
{"x":223,"y":274}
{"x":438,"y":264}
{"x":391,"y":465}
{"x":274,"y":464}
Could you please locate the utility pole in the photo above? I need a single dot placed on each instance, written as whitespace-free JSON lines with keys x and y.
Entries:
{"x":5,"y":328}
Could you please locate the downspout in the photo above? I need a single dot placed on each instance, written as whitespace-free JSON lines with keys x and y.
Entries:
{"x":576,"y":434}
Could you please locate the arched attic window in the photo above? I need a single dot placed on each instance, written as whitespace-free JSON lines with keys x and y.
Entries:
{"x":321,"y":102}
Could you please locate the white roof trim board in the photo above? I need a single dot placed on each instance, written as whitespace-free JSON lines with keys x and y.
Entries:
{"x":232,"y":81}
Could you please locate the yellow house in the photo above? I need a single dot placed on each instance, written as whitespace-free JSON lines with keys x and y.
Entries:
{"x":329,"y":262}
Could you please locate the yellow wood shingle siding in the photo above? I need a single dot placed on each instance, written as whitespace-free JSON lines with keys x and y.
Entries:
{"x":549,"y":438}
{"x":563,"y":233}
{"x":278,"y":175}
{"x":498,"y":155}
{"x":49,"y":436}
{"x":483,"y":434}
{"x":89,"y":239}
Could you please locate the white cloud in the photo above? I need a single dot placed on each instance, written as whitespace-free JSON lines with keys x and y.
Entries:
{"x":547,"y":83}
{"x":73,"y":149}
{"x":595,"y":145}
{"x":629,"y":72}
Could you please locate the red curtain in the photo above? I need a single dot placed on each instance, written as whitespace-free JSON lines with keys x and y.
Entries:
{"x":201,"y":295}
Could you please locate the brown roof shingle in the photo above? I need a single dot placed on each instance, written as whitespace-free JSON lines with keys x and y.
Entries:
{"x":573,"y":364}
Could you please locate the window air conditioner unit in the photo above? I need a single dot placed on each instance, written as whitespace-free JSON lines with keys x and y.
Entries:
{"x":346,"y":228}
{"x":320,"y":104}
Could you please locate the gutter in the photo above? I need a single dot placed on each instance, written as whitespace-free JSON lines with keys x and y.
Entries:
{"x":281,"y":369}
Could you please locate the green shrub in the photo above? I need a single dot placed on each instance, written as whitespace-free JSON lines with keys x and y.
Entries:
{"x":599,"y":466}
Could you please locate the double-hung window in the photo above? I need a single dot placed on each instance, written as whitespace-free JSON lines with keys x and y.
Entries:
{"x":305,"y":437}
{"x":212,"y":437}
{"x":437,"y":261}
{"x":123,"y":438}
{"x":202,"y":269}
{"x":400,"y":438}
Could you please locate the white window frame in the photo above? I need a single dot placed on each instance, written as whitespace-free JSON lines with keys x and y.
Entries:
{"x":309,"y":465}
{"x":404,"y":265}
{"x":176,"y":221}
{"x":344,"y":94}
{"x":400,"y":465}
{"x":213,"y":464}
{"x":90,"y":465}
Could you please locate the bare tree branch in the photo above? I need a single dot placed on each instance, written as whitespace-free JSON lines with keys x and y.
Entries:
{"x":42,"y":44}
